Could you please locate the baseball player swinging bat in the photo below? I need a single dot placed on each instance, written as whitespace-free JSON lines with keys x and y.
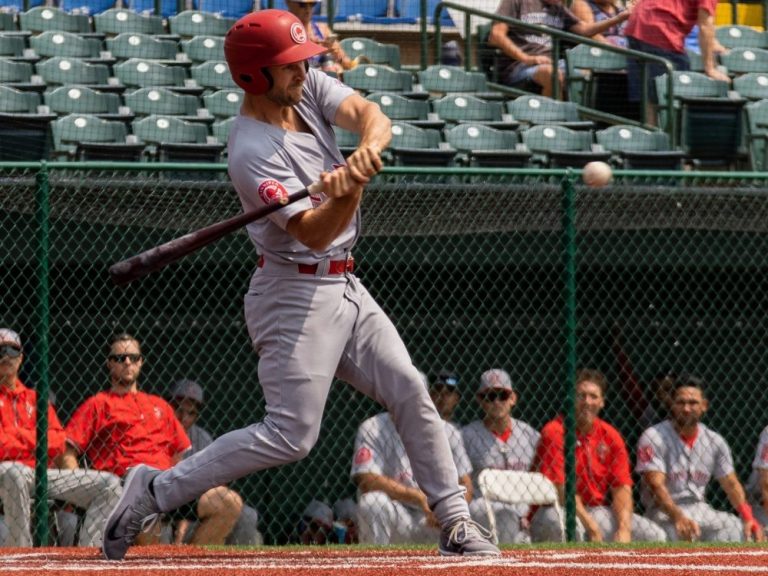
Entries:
{"x":160,"y":256}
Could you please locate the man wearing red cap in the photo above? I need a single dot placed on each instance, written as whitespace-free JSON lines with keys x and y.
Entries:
{"x":310,"y":319}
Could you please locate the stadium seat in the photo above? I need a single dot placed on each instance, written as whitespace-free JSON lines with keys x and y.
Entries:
{"x":25,"y":136}
{"x":19,"y":75}
{"x":145,"y":46}
{"x":8,"y":22}
{"x":213,"y":75}
{"x":71,"y":99}
{"x":224,"y":103}
{"x":120,"y":20}
{"x":637,"y":148}
{"x":167,"y":7}
{"x":752,"y":86}
{"x":413,"y":146}
{"x":486,"y":54}
{"x":144,"y":73}
{"x":556,"y":146}
{"x":757,"y":134}
{"x":597,"y":78}
{"x":487,"y":147}
{"x":707,"y":120}
{"x":192,"y":23}
{"x":346,"y":141}
{"x":60,"y":71}
{"x":221,"y":129}
{"x":456,"y":108}
{"x":66,"y":44}
{"x":374,"y":52}
{"x":86,"y":137}
{"x":50,"y":18}
{"x":411,"y":9}
{"x":175,"y":140}
{"x":232,"y":8}
{"x":163,"y":101}
{"x":377,"y":77}
{"x":203,"y":48}
{"x":533,"y":109}
{"x":740,"y":36}
{"x":12,"y":46}
{"x":398,"y":107}
{"x":696,"y":62}
{"x":18,"y":101}
{"x":743,"y":60}
{"x":364,"y":10}
{"x":440,"y":80}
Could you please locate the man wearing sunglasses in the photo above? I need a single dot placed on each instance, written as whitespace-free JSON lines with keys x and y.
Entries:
{"x":500,"y":442}
{"x":122,"y":427}
{"x":95,"y":492}
{"x":604,"y":507}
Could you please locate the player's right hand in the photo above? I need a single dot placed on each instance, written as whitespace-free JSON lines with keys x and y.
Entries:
{"x":687,"y":530}
{"x":364,"y":163}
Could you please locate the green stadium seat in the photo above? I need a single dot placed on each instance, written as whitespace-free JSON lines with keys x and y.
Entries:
{"x":140,"y":73}
{"x":45,"y":18}
{"x":144,"y":46}
{"x":534,"y":109}
{"x":559,"y":147}
{"x":66,"y":44}
{"x":203,"y":48}
{"x":752,"y":86}
{"x":413,"y":146}
{"x":11,"y":46}
{"x":398,"y":107}
{"x":87,"y":137}
{"x":483,"y":146}
{"x":441,"y":80}
{"x":346,"y":141}
{"x":19,"y":75}
{"x":221,"y":129}
{"x":213,"y":75}
{"x":740,"y":36}
{"x":757,"y":134}
{"x":18,"y":101}
{"x":597,"y":78}
{"x":60,"y":71}
{"x":165,"y":102}
{"x":8,"y":22}
{"x":175,"y":140}
{"x":456,"y":108}
{"x":73,"y":99}
{"x":743,"y":60}
{"x":696,"y":62}
{"x":25,"y":136}
{"x":224,"y":103}
{"x":192,"y":23}
{"x":637,"y":148}
{"x":119,"y":20}
{"x":372,"y":52}
{"x":378,"y":78}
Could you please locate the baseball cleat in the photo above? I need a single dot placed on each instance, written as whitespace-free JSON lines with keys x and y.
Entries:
{"x":466,"y":538}
{"x":135,"y":512}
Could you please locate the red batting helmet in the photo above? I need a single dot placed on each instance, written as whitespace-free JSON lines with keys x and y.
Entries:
{"x":265,"y":38}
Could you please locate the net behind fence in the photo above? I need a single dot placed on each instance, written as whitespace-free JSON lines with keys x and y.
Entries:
{"x":670,"y":277}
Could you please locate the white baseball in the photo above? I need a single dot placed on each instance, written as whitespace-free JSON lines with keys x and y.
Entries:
{"x":596,"y":174}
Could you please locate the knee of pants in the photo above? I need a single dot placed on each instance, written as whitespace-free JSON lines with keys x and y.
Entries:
{"x":15,"y":480}
{"x":545,"y":526}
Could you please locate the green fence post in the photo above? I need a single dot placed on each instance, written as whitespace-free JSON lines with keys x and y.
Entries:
{"x":569,"y":268}
{"x":42,"y":212}
{"x":423,"y":34}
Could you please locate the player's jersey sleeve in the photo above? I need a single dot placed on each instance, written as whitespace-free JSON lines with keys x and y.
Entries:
{"x":651,"y":451}
{"x":327,"y":92}
{"x":460,"y":458}
{"x":723,"y":457}
{"x":549,"y":452}
{"x":761,"y":454}
{"x":369,"y":455}
{"x":82,"y":425}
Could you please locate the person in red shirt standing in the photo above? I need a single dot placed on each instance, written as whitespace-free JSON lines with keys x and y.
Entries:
{"x":96,"y":492}
{"x":603,"y":479}
{"x":123,"y":427}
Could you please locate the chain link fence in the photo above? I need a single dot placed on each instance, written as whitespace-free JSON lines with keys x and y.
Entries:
{"x":669,"y":278}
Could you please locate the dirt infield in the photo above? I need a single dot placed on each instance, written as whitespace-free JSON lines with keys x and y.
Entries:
{"x":192,"y":561}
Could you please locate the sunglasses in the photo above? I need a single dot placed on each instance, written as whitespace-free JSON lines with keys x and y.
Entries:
{"x":121,"y":358}
{"x":10,"y":351}
{"x":492,"y":396}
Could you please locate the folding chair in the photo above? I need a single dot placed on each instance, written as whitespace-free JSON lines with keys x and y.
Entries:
{"x":513,"y":487}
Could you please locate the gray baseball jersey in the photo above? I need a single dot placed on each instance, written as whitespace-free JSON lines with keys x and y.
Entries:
{"x":485,"y":450}
{"x":379,"y":450}
{"x":687,"y":470}
{"x":309,"y":328}
{"x":759,"y":463}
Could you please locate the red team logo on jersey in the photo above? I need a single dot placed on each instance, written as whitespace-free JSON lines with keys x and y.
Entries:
{"x":764,"y":454}
{"x":272,"y":192}
{"x":645,"y":454}
{"x":363,"y":455}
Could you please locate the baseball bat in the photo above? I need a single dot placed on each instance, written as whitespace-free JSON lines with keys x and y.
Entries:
{"x":160,"y":256}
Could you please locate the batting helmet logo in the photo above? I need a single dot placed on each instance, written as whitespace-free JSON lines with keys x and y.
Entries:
{"x":298,"y":33}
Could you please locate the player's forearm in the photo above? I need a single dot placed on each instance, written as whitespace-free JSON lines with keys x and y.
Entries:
{"x":733,"y":490}
{"x":318,"y":227}
{"x":622,"y":507}
{"x":664,"y":502}
{"x":509,"y":49}
{"x":707,"y":44}
{"x":391,"y":487}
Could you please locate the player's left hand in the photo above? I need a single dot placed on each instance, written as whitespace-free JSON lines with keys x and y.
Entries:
{"x":622,"y":535}
{"x":753,"y":532}
{"x":364,"y":163}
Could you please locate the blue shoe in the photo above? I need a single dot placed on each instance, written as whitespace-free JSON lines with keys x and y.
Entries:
{"x":136,"y":512}
{"x":466,"y":538}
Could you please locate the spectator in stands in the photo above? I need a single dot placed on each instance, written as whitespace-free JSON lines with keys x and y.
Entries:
{"x":187,"y":400}
{"x":677,"y":458}
{"x":604,"y":507}
{"x":659,"y":27}
{"x":591,"y":11}
{"x":392,"y":509}
{"x":122,"y":427}
{"x":335,"y":60}
{"x":526,"y":55}
{"x":757,"y":486}
{"x":445,"y":394}
{"x":95,"y":492}
{"x":501,"y":442}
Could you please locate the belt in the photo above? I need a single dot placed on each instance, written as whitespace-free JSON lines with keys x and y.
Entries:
{"x":335,"y":267}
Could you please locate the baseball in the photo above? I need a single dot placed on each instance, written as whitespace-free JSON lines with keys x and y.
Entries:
{"x":596,"y":174}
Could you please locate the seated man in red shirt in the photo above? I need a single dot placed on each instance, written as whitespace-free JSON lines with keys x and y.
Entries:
{"x":603,"y":482}
{"x":95,"y":492}
{"x":123,"y":427}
